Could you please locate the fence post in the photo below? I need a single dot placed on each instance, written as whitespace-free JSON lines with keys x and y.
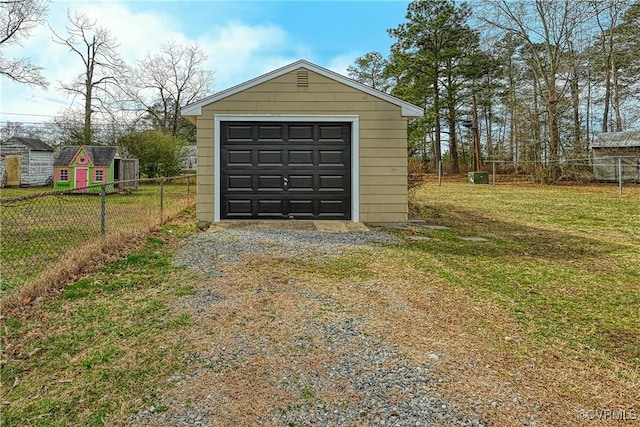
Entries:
{"x":494,"y":172}
{"x":161,"y":200}
{"x":620,"y":174}
{"x":188,"y":186}
{"x":103,"y":210}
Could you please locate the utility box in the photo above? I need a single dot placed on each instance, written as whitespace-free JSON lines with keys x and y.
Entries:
{"x":478,"y":177}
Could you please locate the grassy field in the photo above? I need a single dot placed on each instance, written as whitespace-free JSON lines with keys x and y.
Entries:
{"x":565,"y":260}
{"x":545,"y":309}
{"x":43,"y":230}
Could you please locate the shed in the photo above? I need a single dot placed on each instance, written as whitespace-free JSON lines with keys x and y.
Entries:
{"x":611,"y":149}
{"x":302,"y":142}
{"x":26,"y":162}
{"x":78,"y":167}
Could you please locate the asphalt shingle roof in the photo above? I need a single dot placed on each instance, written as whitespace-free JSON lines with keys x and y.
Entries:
{"x":99,"y":156}
{"x":617,"y":139}
{"x":34,"y":144}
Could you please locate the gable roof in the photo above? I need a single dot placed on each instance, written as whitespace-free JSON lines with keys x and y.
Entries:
{"x":33,"y":144}
{"x":99,"y":156}
{"x":408,"y":109}
{"x":617,"y":139}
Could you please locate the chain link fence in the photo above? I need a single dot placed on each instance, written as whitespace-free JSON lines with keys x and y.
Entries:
{"x":38,"y":230}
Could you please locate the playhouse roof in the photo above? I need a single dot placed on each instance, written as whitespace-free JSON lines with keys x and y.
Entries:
{"x":99,"y":156}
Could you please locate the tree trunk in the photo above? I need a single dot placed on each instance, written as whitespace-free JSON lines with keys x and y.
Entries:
{"x":88,"y":99}
{"x":488,"y":121}
{"x":575,"y":101}
{"x":436,"y":106}
{"x":476,"y":137}
{"x":607,"y":93}
{"x":616,"y":96}
{"x":87,"y":115}
{"x":513,"y":148}
{"x":554,"y":130}
{"x":533,"y":147}
{"x":453,"y":140}
{"x":588,"y":109}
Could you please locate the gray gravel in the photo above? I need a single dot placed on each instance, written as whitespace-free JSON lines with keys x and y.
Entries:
{"x":375,"y":384}
{"x":390,"y":391}
{"x":206,"y":251}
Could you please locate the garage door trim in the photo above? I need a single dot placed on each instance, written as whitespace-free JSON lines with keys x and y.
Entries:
{"x":355,"y":176}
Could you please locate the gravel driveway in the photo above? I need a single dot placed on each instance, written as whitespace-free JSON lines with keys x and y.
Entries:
{"x":274,"y":350}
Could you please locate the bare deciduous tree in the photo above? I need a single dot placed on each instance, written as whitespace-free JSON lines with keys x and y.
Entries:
{"x":11,"y":129}
{"x":18,"y":18}
{"x":546,"y":30}
{"x":608,"y":15}
{"x":103,"y":69}
{"x":166,"y":82}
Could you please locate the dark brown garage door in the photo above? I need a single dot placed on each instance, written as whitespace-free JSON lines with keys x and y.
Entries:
{"x":285,"y":170}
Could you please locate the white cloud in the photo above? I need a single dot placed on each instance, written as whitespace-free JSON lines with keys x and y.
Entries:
{"x":137,"y":33}
{"x":340,"y":63}
{"x":236,"y":51}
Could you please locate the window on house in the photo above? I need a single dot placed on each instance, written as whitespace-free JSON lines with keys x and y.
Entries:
{"x":99,"y":175}
{"x":64,"y":174}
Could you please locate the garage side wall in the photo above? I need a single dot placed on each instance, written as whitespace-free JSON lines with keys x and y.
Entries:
{"x":382,"y":138}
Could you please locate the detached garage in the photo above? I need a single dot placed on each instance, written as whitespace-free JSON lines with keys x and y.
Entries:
{"x":302,"y":142}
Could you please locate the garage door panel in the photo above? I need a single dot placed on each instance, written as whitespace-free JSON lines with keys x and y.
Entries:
{"x":242,"y":183}
{"x":271,"y":133}
{"x":239,"y":207}
{"x":331,"y":157}
{"x":331,"y":183}
{"x":270,"y":158}
{"x":270,"y":207}
{"x":301,"y":208}
{"x":301,"y":132}
{"x":285,"y":170}
{"x":239,"y":133}
{"x":301,"y":157}
{"x":331,"y":132}
{"x":270,"y":182}
{"x":331,"y":207}
{"x":301,"y":183}
{"x":239,"y":157}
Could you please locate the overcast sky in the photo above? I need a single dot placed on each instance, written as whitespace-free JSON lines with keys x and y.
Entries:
{"x":243,"y":39}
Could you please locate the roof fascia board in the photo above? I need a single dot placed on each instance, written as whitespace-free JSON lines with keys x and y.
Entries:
{"x":408,"y":109}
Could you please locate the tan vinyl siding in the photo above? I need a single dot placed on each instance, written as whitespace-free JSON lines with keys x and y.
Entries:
{"x":382,"y":138}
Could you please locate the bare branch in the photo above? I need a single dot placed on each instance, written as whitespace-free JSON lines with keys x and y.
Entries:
{"x":103,"y":68}
{"x":17,"y":20}
{"x":168,"y":81}
{"x":21,"y":70}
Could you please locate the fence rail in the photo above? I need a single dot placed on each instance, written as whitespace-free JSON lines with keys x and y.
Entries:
{"x":37,"y":230}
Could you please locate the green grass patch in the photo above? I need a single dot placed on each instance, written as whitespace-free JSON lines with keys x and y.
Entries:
{"x":563,"y":260}
{"x":41,"y":231}
{"x":95,"y":355}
